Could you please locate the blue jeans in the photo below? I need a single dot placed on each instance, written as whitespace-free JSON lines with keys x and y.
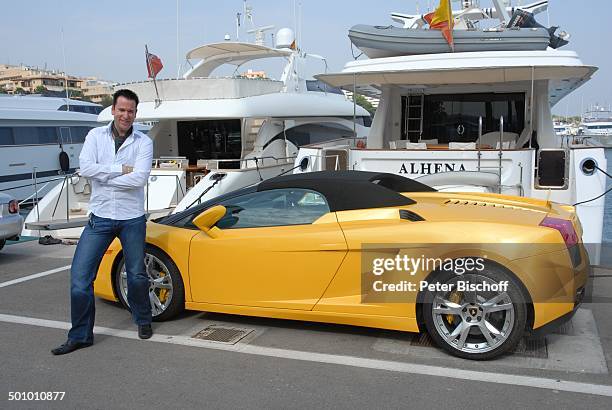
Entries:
{"x":97,"y":236}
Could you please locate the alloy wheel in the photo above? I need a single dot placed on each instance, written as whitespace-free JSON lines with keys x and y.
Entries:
{"x":473,"y":322}
{"x":160,"y":284}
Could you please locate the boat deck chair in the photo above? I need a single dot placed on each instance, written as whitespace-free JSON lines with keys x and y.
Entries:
{"x":461,"y":145}
{"x":492,"y":139}
{"x":404,"y":144}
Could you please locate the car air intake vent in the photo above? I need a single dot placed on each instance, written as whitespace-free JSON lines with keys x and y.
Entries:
{"x":410,"y":216}
{"x":468,"y":202}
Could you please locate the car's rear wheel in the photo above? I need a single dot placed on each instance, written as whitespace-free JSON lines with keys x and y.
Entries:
{"x":476,"y":325}
{"x":2,"y":243}
{"x":166,"y":291}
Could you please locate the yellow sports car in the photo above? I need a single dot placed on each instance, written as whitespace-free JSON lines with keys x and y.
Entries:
{"x":476,"y":271}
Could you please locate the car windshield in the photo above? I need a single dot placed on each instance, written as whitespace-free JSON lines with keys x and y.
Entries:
{"x":280,"y":207}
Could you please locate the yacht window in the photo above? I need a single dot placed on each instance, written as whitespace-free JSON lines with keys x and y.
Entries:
{"x":78,"y":134}
{"x":454,"y":117}
{"x":361,"y":120}
{"x":47,"y":135}
{"x":87,"y":109}
{"x":599,"y":127}
{"x":279,"y":207}
{"x":40,"y":135}
{"x":313,"y":134}
{"x":6,"y":136}
{"x":210,"y":139}
{"x":320,"y":86}
{"x":26,"y":135}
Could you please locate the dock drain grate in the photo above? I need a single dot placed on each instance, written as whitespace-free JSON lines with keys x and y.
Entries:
{"x":422,"y":340}
{"x":222,"y":334}
{"x":566,"y":329}
{"x":536,"y":348}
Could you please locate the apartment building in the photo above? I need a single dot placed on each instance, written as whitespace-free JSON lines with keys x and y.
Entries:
{"x":25,"y":79}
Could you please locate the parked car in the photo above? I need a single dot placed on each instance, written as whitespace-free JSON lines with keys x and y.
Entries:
{"x":11,"y":222}
{"x":313,"y":246}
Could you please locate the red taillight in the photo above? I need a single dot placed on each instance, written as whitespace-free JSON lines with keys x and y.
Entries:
{"x":565,"y":228}
{"x":13,"y":207}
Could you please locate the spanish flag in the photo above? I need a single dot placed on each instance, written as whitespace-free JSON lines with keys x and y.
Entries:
{"x":442,"y":19}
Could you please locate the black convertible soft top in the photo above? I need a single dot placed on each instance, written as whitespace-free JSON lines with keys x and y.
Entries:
{"x":348,"y":190}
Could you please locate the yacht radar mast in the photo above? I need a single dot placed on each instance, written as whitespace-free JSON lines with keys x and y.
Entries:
{"x":260,"y":34}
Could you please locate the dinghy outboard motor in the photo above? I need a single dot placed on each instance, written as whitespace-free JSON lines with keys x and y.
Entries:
{"x":525,"y":19}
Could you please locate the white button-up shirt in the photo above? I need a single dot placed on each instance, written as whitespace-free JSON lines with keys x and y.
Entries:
{"x":114,"y":195}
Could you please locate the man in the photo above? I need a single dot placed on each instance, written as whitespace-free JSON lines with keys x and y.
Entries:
{"x":117,"y":160}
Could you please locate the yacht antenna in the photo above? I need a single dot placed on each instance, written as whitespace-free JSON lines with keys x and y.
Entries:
{"x":65,"y":73}
{"x":178,"y":58}
{"x":260,"y":35}
{"x":295,"y":24}
{"x":248,"y":13}
{"x":299,"y":36}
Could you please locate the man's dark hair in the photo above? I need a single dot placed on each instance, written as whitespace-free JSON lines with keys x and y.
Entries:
{"x":129,"y":94}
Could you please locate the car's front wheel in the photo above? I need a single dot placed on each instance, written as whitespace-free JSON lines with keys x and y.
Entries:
{"x":2,"y":243}
{"x":476,"y":324}
{"x":166,"y":291}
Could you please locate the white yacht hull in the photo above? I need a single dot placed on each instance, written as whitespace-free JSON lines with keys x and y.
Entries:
{"x":19,"y":163}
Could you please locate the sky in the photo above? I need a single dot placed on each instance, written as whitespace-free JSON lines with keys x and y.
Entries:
{"x":106,"y":39}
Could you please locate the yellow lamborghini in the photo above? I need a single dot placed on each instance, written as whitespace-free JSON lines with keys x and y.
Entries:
{"x":476,"y":271}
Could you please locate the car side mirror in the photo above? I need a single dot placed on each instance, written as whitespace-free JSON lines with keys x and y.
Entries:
{"x":206,"y":220}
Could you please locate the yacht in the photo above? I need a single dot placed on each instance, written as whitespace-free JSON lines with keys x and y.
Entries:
{"x":473,"y":122}
{"x":214,"y":134}
{"x":34,"y":132}
{"x":597,"y":125}
{"x":562,"y":129}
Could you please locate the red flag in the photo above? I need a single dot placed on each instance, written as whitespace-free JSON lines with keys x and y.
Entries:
{"x":154,"y":64}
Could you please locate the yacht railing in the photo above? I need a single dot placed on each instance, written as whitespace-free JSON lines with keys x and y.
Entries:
{"x":255,"y":160}
{"x":352,"y":142}
{"x":66,"y":182}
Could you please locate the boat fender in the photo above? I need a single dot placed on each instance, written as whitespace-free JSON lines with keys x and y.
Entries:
{"x":64,"y":161}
